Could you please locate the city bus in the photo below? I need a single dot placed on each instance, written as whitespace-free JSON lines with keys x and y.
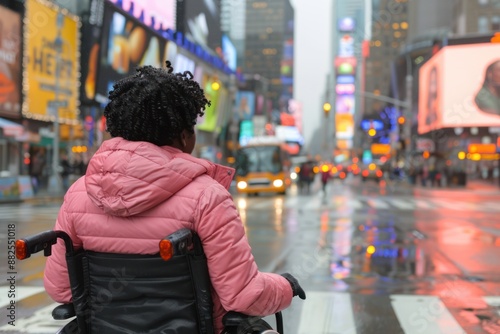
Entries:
{"x":263,"y":166}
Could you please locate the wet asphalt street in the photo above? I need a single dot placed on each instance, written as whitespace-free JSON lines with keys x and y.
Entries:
{"x":372,"y":258}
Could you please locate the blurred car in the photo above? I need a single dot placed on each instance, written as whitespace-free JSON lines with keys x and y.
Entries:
{"x":338,"y":172}
{"x":371,"y":172}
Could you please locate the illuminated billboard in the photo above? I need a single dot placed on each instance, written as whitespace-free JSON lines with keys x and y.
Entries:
{"x":345,"y":65}
{"x":208,"y":121}
{"x":459,"y":87}
{"x":229,"y":52}
{"x":344,"y":104}
{"x":245,"y":104}
{"x":344,"y":124}
{"x":51,"y":63}
{"x":346,"y":24}
{"x":126,"y":44}
{"x":157,"y":14}
{"x":10,"y":62}
{"x":201,"y":22}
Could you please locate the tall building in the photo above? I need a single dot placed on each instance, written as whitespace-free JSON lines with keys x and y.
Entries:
{"x":350,"y":31}
{"x":476,"y":16}
{"x":389,"y":31}
{"x":268,"y":33}
{"x":233,"y":24}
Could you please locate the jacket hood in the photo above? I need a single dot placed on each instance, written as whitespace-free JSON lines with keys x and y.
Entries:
{"x":125,"y":178}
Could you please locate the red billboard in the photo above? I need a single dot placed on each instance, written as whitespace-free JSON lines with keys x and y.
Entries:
{"x":460,"y":87}
{"x":10,"y":62}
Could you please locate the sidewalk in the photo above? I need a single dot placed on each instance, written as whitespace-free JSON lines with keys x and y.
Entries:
{"x":44,"y":197}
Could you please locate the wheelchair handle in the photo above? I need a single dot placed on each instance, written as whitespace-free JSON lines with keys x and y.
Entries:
{"x":41,"y":241}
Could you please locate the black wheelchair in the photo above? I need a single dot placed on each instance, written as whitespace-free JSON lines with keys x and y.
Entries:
{"x":169,"y":292}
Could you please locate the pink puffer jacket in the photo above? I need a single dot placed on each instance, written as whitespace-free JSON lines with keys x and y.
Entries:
{"x":135,"y":193}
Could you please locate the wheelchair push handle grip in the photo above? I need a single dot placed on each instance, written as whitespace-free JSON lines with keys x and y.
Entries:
{"x":36,"y":243}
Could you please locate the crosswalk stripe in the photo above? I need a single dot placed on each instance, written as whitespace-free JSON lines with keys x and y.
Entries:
{"x":401,"y":204}
{"x":377,"y":203}
{"x":20,"y":292}
{"x":327,"y":312}
{"x":424,"y":314}
{"x":323,"y":312}
{"x":423,"y":204}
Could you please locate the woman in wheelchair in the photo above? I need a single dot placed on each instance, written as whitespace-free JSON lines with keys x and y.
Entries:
{"x":144,"y":184}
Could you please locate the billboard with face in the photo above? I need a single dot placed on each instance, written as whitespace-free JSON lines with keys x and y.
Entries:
{"x":157,"y":14}
{"x":126,"y":44}
{"x":202,"y":22}
{"x":10,"y":62}
{"x":460,"y":87}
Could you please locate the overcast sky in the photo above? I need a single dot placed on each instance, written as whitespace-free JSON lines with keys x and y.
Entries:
{"x":311,"y":60}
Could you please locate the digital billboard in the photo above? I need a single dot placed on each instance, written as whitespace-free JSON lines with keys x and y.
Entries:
{"x":51,"y":63}
{"x":208,"y":121}
{"x":346,"y":24}
{"x":201,"y":22}
{"x":344,"y":104}
{"x":89,"y":52}
{"x":10,"y":63}
{"x":229,"y":52}
{"x":345,"y":65}
{"x":245,"y":105}
{"x":344,"y":124}
{"x":460,"y":87}
{"x":126,"y":44}
{"x":157,"y":14}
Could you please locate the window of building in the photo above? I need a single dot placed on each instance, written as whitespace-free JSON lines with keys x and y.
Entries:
{"x":482,"y":24}
{"x":495,"y":23}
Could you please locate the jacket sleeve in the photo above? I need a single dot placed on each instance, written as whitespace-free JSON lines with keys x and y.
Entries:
{"x":233,"y":271}
{"x":56,"y":280}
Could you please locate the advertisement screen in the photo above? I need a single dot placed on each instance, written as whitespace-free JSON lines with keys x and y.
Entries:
{"x":346,"y":24}
{"x":229,"y":52}
{"x":345,"y":126}
{"x":460,"y":87}
{"x":208,"y":121}
{"x":51,"y":63}
{"x":10,"y":62}
{"x":158,"y":14}
{"x":245,"y":105}
{"x":202,"y":22}
{"x":89,"y":48}
{"x":126,"y":44}
{"x":344,"y":104}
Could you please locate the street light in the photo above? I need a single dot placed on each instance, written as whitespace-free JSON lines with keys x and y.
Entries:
{"x":55,"y":185}
{"x":326,"y":108}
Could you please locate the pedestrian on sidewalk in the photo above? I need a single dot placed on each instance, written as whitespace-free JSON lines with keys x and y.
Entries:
{"x":65,"y":171}
{"x":37,"y":166}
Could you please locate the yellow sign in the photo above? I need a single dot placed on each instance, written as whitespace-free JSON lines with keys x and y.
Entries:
{"x":482,"y":148}
{"x":381,"y":148}
{"x":51,"y":63}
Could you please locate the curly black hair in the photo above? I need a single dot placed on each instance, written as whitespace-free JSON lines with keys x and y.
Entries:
{"x":154,"y":105}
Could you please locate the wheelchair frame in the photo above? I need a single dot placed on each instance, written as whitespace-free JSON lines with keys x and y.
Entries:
{"x":179,"y":243}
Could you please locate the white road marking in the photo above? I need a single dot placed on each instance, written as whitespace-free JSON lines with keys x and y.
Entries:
{"x":327,"y":312}
{"x":424,"y":314}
